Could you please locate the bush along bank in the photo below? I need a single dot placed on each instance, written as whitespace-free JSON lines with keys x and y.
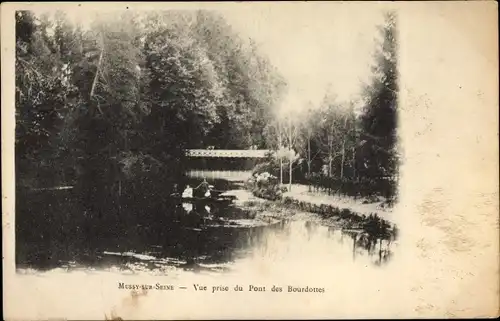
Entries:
{"x":266,"y":186}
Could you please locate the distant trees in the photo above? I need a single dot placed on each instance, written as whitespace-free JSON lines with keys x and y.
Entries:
{"x":283,"y":135}
{"x":335,"y":135}
{"x":307,"y":137}
{"x":352,"y":145}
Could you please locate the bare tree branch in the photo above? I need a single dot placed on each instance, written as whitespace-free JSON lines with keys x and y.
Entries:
{"x":96,"y":74}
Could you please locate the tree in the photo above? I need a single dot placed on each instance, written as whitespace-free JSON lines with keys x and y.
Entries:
{"x":379,"y":119}
{"x":292,"y":132}
{"x":275,"y":139}
{"x":283,"y":136}
{"x":308,"y":131}
{"x":45,"y":98}
{"x":348,"y":137}
{"x":336,"y":133}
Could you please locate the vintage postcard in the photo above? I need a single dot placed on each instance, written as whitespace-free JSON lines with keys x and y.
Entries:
{"x":246,"y":160}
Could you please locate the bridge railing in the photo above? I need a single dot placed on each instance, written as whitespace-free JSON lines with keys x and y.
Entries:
{"x":220,"y":174}
{"x":228,"y":153}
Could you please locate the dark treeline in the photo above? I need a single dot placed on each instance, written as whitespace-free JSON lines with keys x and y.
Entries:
{"x":346,"y":147}
{"x":110,"y":107}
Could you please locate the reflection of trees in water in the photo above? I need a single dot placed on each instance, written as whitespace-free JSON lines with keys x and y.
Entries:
{"x":310,"y":227}
{"x":258,"y":236}
{"x":377,"y":245}
{"x":218,"y":239}
{"x":373,"y":246}
{"x":164,"y":230}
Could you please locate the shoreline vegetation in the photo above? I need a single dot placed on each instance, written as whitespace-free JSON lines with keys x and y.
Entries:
{"x":345,"y":218}
{"x":372,"y":225}
{"x":263,"y":196}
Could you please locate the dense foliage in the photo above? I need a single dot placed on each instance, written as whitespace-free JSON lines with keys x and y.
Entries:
{"x":110,"y":108}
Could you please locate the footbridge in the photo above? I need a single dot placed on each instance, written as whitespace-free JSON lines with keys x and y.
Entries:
{"x":228,"y":153}
{"x":228,"y":164}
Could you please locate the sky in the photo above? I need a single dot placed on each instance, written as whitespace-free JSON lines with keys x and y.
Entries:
{"x":316,"y":48}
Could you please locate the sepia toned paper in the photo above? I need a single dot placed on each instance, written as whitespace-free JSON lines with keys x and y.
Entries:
{"x":446,"y":258}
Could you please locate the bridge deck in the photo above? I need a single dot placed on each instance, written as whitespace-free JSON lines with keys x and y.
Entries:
{"x":227,"y":153}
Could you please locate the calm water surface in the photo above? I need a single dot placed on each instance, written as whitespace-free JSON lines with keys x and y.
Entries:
{"x":197,"y":238}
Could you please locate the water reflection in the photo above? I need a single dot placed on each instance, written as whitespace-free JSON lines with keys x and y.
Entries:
{"x":375,"y":247}
{"x":203,"y":237}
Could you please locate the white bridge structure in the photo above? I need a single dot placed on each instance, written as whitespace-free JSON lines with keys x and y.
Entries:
{"x":228,"y":153}
{"x":244,"y":155}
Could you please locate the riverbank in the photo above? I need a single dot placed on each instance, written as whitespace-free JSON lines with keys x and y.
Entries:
{"x":345,"y":215}
{"x":300,"y":193}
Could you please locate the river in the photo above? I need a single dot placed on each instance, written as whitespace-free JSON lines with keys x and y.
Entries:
{"x":197,"y":237}
{"x":60,"y":251}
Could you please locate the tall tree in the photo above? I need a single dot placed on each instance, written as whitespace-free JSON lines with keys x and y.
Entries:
{"x":379,"y":120}
{"x":292,"y":137}
{"x":44,"y":96}
{"x":309,"y":126}
{"x":274,"y":135}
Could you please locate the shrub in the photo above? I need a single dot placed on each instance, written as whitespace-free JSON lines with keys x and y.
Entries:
{"x":264,"y":185}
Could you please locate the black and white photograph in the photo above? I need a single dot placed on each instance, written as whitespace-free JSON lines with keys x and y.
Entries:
{"x":170,"y":139}
{"x":212,"y":149}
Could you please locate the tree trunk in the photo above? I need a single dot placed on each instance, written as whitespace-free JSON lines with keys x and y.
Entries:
{"x":330,"y":161}
{"x":281,"y":171}
{"x":96,"y":77}
{"x":309,"y":161}
{"x":281,"y":159}
{"x":309,"y":156}
{"x":342,"y":161}
{"x":330,"y":154}
{"x":96,"y":73}
{"x":354,"y":163}
{"x":290,"y":146}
